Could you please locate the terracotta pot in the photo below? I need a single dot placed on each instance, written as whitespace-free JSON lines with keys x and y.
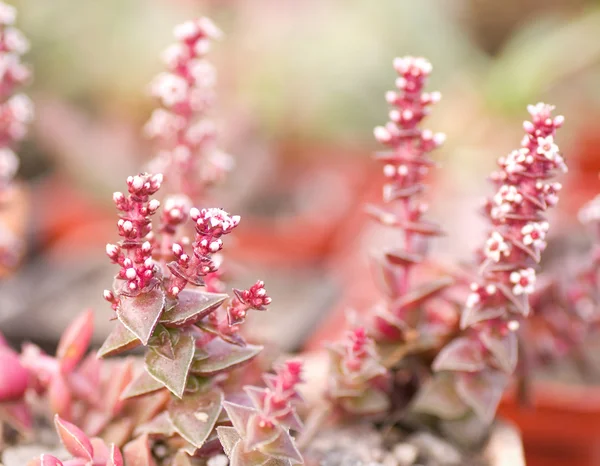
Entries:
{"x":561,"y":428}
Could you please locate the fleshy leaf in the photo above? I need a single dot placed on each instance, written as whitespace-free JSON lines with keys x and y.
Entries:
{"x":114,"y":456}
{"x":238,"y":415}
{"x":122,"y":375}
{"x":195,"y":416}
{"x":17,"y":414}
{"x":140,"y":314}
{"x":283,"y":448}
{"x":138,"y":453}
{"x":438,"y":397}
{"x":258,"y":435}
{"x":461,"y":354}
{"x":402,"y":257}
{"x":143,"y":384}
{"x":14,"y":377}
{"x":372,"y":401}
{"x":118,"y":341}
{"x":239,"y":457}
{"x":59,"y":396}
{"x":190,"y":307}
{"x":423,"y":227}
{"x":504,"y":348}
{"x":520,"y":302}
{"x":482,"y":391}
{"x":422,"y":293}
{"x":172,"y":373}
{"x":46,"y":460}
{"x":223,"y":356}
{"x":74,"y":440}
{"x":160,"y":425}
{"x":472,"y":315}
{"x":75,"y":341}
{"x":228,"y":437}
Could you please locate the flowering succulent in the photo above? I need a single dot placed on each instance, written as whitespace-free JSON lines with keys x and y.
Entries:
{"x":405,"y":166}
{"x":357,"y":379}
{"x":188,"y":154}
{"x":191,"y":335}
{"x":261,"y":426}
{"x":476,"y":364}
{"x":85,"y":451}
{"x":16,"y":113}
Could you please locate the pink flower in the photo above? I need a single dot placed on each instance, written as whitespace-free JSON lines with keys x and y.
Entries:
{"x":534,"y":234}
{"x":523,"y":280}
{"x":496,"y":247}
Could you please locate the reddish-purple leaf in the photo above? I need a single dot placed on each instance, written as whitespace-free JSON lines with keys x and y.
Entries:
{"x":223,"y":356}
{"x":160,"y":425}
{"x":438,"y":397}
{"x":142,"y":384}
{"x":423,"y":228}
{"x":503,"y":348}
{"x":190,"y":307}
{"x":17,"y":414}
{"x":121,"y":378}
{"x":422,"y":293}
{"x":59,"y":396}
{"x":520,"y":302}
{"x":473,"y":315}
{"x":258,"y":433}
{"x":140,"y":314}
{"x":400,"y":193}
{"x":114,"y":456}
{"x":461,"y":354}
{"x":75,"y":341}
{"x":138,"y":452}
{"x":482,"y":391}
{"x":403,"y":258}
{"x":194,"y":417}
{"x":531,"y":252}
{"x":74,"y":440}
{"x":118,"y":341}
{"x":14,"y":378}
{"x":172,"y":373}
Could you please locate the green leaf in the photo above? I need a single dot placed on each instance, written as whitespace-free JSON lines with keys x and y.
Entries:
{"x":223,"y":356}
{"x":194,"y":417}
{"x":172,"y":373}
{"x":118,"y":341}
{"x":190,"y":307}
{"x":140,"y":314}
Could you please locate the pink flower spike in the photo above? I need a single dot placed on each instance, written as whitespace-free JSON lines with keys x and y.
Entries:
{"x":74,"y":440}
{"x":75,"y":341}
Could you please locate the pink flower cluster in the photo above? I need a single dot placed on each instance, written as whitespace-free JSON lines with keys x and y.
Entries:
{"x":188,"y":154}
{"x":255,"y":298}
{"x":16,"y":110}
{"x":211,"y":225}
{"x":134,"y":253}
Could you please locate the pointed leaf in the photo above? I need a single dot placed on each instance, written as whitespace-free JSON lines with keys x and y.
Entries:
{"x":382,"y":216}
{"x":195,"y":416}
{"x":228,"y":437}
{"x":423,"y":227}
{"x":119,"y":340}
{"x":59,"y":396}
{"x":17,"y":414}
{"x":114,"y":456}
{"x":259,"y":434}
{"x":461,"y":354}
{"x":473,"y":315}
{"x":143,"y":384}
{"x":140,"y":314}
{"x":138,"y":453}
{"x":238,"y":415}
{"x":482,"y":391}
{"x":162,"y":342}
{"x":223,"y":356}
{"x":75,"y":341}
{"x":504,"y":348}
{"x":172,"y":373}
{"x":46,"y":460}
{"x":160,"y":425}
{"x":422,"y":293}
{"x":190,"y":307}
{"x":284,"y":448}
{"x":239,"y":457}
{"x":394,"y":192}
{"x":372,"y":401}
{"x":100,"y":450}
{"x":403,"y":258}
{"x":531,"y":252}
{"x":520,"y":303}
{"x":74,"y":440}
{"x":14,"y":377}
{"x":439,"y":398}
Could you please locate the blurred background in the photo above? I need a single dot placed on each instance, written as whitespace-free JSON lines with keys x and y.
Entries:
{"x":301,"y":85}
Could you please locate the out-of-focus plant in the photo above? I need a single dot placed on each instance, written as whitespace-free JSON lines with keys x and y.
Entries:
{"x":16,"y":113}
{"x":85,"y":451}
